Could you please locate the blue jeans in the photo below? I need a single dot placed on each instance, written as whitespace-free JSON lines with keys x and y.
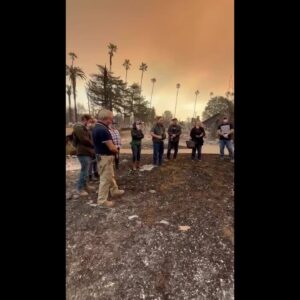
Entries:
{"x":158,"y":151}
{"x":84,"y":172}
{"x":229,"y":146}
{"x":93,"y":167}
{"x":136,"y":152}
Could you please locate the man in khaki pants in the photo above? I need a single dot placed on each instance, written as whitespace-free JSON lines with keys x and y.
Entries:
{"x":105,"y":150}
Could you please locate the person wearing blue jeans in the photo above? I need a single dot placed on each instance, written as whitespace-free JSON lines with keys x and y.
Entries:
{"x":225,"y":131}
{"x":85,"y":151}
{"x":158,"y":151}
{"x":85,"y":162}
{"x":158,"y":134}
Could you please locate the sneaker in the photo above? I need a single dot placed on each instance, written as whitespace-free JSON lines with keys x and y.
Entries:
{"x":232,"y":160}
{"x":107,"y":203}
{"x":118,"y":193}
{"x":83,"y":193}
{"x":222,"y":158}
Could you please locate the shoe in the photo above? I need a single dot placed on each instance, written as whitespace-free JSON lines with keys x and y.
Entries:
{"x":89,"y":188}
{"x":107,"y":203}
{"x":137,"y":165}
{"x":118,"y":193}
{"x":222,"y":158}
{"x":232,"y":160}
{"x":90,"y":177}
{"x":96,"y":175}
{"x":83,"y":193}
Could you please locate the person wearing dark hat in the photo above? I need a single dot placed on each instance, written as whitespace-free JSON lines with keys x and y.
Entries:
{"x":136,"y":144}
{"x":225,"y":131}
{"x":174,"y":132}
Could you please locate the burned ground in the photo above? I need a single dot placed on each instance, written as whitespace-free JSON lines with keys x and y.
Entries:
{"x":126,"y":253}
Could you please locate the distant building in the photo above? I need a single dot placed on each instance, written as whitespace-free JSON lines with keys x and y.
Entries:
{"x":211,"y":125}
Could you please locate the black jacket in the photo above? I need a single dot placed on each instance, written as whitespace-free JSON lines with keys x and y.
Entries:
{"x":174,"y":129}
{"x":197,"y":135}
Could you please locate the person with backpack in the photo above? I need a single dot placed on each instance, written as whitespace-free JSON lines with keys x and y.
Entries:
{"x":197,"y":134}
{"x":84,"y":150}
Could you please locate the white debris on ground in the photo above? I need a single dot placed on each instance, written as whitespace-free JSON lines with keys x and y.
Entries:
{"x":184,"y":228}
{"x":146,"y":168}
{"x":133,"y":217}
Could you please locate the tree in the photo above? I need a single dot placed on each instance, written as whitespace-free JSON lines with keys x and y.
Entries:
{"x":167,"y":116}
{"x":196,"y":93}
{"x":219,"y":105}
{"x":153,"y":80}
{"x":178,"y":87}
{"x":143,"y":68}
{"x":106,"y":90}
{"x":112,"y":49}
{"x":69,"y":93}
{"x":127,"y":66}
{"x":74,"y":73}
{"x":81,"y":109}
{"x":73,"y":57}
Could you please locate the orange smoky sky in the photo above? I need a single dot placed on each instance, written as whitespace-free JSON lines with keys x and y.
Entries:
{"x":189,"y":42}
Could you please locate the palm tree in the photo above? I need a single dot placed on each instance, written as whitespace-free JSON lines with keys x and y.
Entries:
{"x":153,"y":80}
{"x":126,"y":65}
{"x":73,"y":57}
{"x":143,"y":68}
{"x":196,"y":93}
{"x":112,"y":49}
{"x":227,"y":94}
{"x":178,"y":87}
{"x":211,"y":95}
{"x":69,"y":93}
{"x":74,"y":73}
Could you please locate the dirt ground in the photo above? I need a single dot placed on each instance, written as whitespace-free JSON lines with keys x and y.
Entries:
{"x":126,"y":253}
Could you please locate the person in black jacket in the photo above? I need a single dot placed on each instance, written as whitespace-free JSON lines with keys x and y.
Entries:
{"x":174,"y":132}
{"x":136,"y":144}
{"x":197,"y":135}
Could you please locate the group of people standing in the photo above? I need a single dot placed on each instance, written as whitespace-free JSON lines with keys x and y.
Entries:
{"x":98,"y":145}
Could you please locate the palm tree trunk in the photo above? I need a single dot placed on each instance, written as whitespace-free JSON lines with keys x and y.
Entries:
{"x":110,"y":62}
{"x":89,"y":105}
{"x":151,"y":94}
{"x":141,"y":81}
{"x":126,"y":77}
{"x":74,"y":96}
{"x":194,"y":114}
{"x":176,"y":103}
{"x":70,"y":109}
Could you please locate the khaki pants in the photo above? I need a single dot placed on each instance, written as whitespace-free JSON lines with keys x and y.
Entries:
{"x":107,"y":178}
